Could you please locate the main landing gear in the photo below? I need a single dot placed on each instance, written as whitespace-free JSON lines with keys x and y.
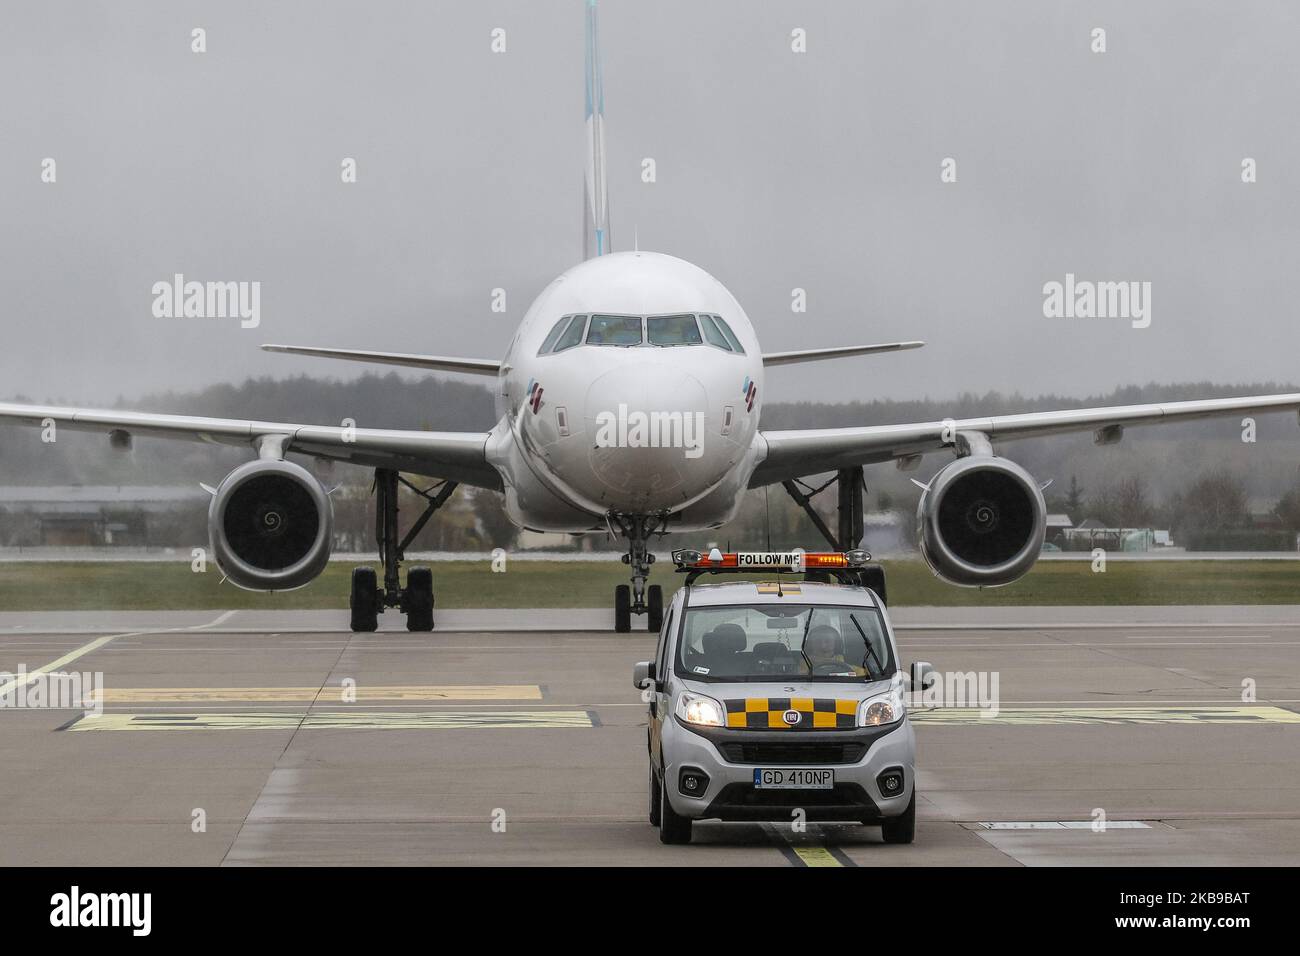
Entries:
{"x":415,"y":600}
{"x":852,"y":487}
{"x":638,"y":598}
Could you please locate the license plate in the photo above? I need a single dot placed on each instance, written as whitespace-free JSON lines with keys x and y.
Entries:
{"x":794,"y":779}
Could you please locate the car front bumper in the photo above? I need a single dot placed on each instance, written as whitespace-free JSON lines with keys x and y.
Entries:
{"x":729,"y":758}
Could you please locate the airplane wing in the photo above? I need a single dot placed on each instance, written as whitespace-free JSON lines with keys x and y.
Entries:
{"x":844,"y":351}
{"x":793,"y":454}
{"x":435,"y":363}
{"x":459,"y":456}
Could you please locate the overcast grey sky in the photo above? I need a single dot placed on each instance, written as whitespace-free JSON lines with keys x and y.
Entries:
{"x":775,"y":170}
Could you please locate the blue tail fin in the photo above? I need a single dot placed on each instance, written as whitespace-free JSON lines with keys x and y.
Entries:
{"x":596,"y":239}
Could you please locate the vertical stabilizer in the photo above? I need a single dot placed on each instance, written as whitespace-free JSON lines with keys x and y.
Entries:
{"x":595,"y":204}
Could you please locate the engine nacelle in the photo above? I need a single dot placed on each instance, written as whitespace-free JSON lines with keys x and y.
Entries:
{"x":981,"y":522}
{"x":269,"y":525}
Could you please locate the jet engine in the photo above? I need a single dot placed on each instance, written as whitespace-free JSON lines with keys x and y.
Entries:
{"x":269,"y":524}
{"x":981,"y":521}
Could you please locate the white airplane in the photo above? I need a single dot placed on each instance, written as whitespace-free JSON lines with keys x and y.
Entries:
{"x":629,"y":401}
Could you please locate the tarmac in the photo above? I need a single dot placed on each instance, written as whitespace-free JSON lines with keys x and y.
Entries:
{"x":515,"y":737}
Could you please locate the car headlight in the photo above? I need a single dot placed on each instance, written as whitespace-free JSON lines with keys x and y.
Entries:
{"x":700,"y":710}
{"x":886,"y":708}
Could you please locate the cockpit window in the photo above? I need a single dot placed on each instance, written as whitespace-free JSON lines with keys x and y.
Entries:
{"x":662,"y":331}
{"x":731,"y":336}
{"x":672,"y":330}
{"x":614,"y":330}
{"x":554,"y":335}
{"x":573,"y":334}
{"x":713,"y":333}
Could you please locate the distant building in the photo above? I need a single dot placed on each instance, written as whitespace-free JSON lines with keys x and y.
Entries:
{"x":89,"y":515}
{"x":1057,"y":525}
{"x":883,"y":532}
{"x":1090,"y":534}
{"x":550,"y":541}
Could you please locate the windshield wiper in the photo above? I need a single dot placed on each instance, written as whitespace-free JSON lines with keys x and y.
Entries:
{"x":804,"y":639}
{"x":870,"y":650}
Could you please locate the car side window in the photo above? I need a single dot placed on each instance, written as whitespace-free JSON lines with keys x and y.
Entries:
{"x":661,"y":657}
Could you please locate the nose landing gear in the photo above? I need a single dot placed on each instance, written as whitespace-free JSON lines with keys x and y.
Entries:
{"x":638,"y":598}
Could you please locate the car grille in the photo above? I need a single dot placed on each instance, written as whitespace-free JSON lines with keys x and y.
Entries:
{"x":793,"y":753}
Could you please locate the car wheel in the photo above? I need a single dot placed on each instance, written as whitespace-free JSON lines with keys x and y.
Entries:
{"x":673,"y":828}
{"x":902,"y":828}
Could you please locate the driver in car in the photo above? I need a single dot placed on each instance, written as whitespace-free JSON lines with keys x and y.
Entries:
{"x":824,"y":648}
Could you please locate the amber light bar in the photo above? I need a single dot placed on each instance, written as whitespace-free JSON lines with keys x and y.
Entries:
{"x":768,"y":560}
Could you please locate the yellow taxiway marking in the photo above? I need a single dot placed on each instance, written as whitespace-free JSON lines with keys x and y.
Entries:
{"x":327,"y":695}
{"x":362,"y":720}
{"x":1246,"y":714}
{"x":802,"y":853}
{"x":816,"y":856}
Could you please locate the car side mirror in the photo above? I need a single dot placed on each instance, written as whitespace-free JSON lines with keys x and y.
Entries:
{"x":643,"y":674}
{"x":923,"y":675}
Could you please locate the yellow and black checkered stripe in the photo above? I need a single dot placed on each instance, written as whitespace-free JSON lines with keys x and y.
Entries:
{"x":768,"y":713}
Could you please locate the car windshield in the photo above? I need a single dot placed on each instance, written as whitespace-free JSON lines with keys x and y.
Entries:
{"x":763,"y":642}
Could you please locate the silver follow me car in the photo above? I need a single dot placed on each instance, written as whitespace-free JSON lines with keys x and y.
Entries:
{"x":779,"y":700}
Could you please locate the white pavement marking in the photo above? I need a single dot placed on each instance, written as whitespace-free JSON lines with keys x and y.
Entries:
{"x":30,"y":676}
{"x":85,"y":649}
{"x":1061,"y":644}
{"x":1060,"y":825}
{"x":220,"y":620}
{"x":1087,"y":626}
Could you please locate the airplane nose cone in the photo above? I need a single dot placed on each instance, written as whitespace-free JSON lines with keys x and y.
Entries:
{"x":648,"y":423}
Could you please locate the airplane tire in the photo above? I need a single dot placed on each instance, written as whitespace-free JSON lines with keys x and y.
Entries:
{"x":364,"y":600}
{"x":873,"y":576}
{"x":622,"y":609}
{"x":419,"y":599}
{"x":655,"y":615}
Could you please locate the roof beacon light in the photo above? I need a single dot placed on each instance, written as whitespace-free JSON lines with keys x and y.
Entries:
{"x":795,"y":560}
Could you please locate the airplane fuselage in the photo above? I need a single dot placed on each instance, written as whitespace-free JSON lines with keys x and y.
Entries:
{"x":645,"y":404}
